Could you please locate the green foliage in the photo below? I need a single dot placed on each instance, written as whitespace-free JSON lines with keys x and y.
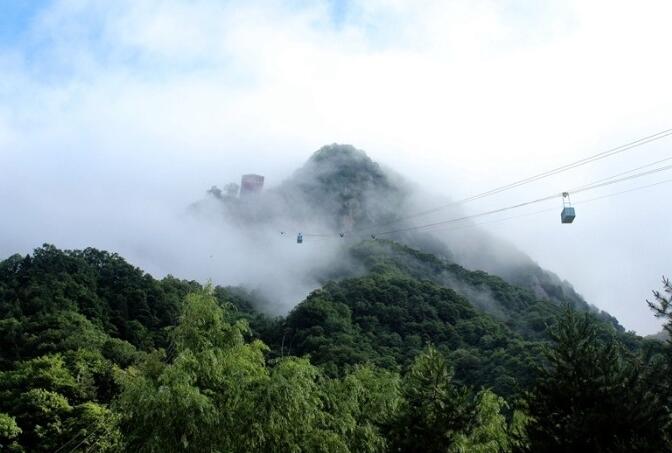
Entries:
{"x":662,"y":305}
{"x":45,"y":412}
{"x":388,"y":319}
{"x":96,"y":355}
{"x":9,"y":431}
{"x":56,"y":300}
{"x":435,"y":412}
{"x":342,"y":184}
{"x":57,"y":358}
{"x":164,"y":411}
{"x":290,"y":412}
{"x":202,"y":325}
{"x":46,"y":372}
{"x":593,"y":396}
{"x":218,"y":393}
{"x":517,"y":305}
{"x":362,"y":406}
{"x":49,"y":395}
{"x":492,"y":432}
{"x":93,"y":428}
{"x":120,"y":352}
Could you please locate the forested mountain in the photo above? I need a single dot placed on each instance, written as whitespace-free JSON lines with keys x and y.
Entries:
{"x":98,"y":355}
{"x":341,"y":193}
{"x":409,"y":342}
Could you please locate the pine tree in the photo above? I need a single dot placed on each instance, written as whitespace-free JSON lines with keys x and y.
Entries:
{"x":593,"y":396}
{"x":662,"y":306}
{"x":436,"y":412}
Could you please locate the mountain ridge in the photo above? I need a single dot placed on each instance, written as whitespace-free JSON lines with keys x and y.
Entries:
{"x":340,"y":190}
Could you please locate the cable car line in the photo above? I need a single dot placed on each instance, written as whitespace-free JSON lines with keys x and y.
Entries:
{"x":665,"y":181}
{"x":519,"y":205}
{"x":599,"y":156}
{"x":76,"y":436}
{"x":632,"y":170}
{"x":543,"y":211}
{"x":472,"y":216}
{"x":592,"y":186}
{"x":88,"y":437}
{"x":579,"y":163}
{"x":602,"y":182}
{"x":597,"y":184}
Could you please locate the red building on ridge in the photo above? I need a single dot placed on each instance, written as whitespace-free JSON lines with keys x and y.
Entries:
{"x":251,"y":184}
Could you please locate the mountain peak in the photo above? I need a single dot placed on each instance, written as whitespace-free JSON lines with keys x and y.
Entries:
{"x":341,"y":153}
{"x":342,"y":183}
{"x":343,"y":161}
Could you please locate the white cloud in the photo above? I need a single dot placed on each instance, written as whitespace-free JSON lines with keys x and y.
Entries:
{"x":165,"y":98}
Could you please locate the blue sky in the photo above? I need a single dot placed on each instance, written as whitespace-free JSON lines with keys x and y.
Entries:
{"x":16,"y":17}
{"x":79,"y":29}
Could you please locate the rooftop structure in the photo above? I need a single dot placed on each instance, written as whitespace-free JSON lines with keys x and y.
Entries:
{"x":251,"y":184}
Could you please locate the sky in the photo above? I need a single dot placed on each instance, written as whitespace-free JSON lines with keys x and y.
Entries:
{"x":116,"y":115}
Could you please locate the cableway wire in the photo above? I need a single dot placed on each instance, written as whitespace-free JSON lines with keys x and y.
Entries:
{"x":81,"y":431}
{"x":579,"y":163}
{"x":519,"y":205}
{"x":86,"y":438}
{"x":597,"y":184}
{"x":543,"y":211}
{"x":629,"y":171}
{"x":76,"y":436}
{"x":599,"y":156}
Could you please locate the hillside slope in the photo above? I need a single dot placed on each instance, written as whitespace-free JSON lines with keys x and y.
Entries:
{"x":84,"y":336}
{"x":392,"y":301}
{"x":341,"y":191}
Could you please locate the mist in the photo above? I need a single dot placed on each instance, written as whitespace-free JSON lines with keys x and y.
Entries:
{"x":114,"y":119}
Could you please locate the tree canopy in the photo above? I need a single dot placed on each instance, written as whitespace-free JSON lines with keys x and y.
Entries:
{"x":99,"y":356}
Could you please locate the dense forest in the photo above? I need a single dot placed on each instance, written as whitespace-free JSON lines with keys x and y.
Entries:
{"x":401,"y":355}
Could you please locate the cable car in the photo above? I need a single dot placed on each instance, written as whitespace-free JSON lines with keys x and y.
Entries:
{"x":299,"y":238}
{"x":568,"y":214}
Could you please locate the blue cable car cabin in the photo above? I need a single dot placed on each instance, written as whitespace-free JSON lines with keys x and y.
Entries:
{"x":568,"y":214}
{"x":299,"y":238}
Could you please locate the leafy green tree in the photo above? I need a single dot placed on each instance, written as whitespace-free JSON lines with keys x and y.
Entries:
{"x":387,"y":319}
{"x":50,"y":398}
{"x":9,"y":431}
{"x":47,"y":372}
{"x":592,"y":396}
{"x":289,"y":411}
{"x":120,"y":352}
{"x":45,"y":412}
{"x":92,"y":428}
{"x":362,"y":406}
{"x":163,"y":410}
{"x":662,"y":305}
{"x":191,"y":403}
{"x":492,"y":433}
{"x":82,"y":329}
{"x":219,"y":395}
{"x":436,"y":413}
